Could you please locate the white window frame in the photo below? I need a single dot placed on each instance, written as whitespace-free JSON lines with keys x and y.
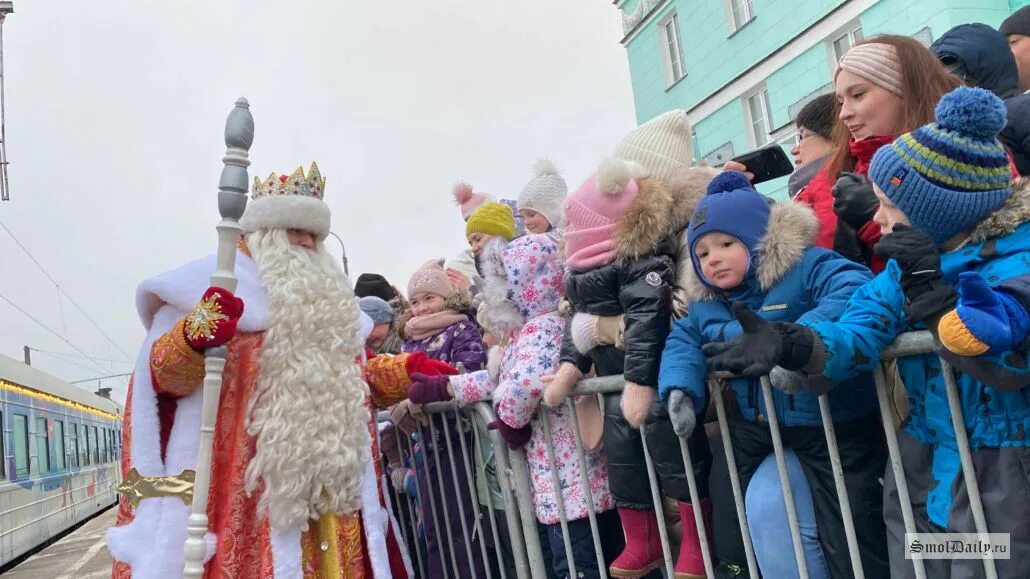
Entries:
{"x":764,"y":139}
{"x":731,"y":17}
{"x":848,"y":31}
{"x":675,"y":70}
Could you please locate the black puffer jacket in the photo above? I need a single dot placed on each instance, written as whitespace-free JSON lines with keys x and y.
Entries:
{"x":982,"y":56}
{"x":638,"y":283}
{"x":641,"y":289}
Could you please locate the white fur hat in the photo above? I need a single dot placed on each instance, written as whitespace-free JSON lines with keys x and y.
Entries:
{"x":288,"y":202}
{"x":545,"y":193}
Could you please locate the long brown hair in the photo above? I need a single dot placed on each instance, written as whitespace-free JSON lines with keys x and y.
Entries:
{"x":924,"y":80}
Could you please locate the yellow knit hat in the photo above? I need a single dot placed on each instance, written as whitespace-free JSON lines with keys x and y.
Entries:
{"x":492,"y":219}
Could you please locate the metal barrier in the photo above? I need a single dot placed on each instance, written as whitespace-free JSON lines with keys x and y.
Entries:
{"x":516,"y":490}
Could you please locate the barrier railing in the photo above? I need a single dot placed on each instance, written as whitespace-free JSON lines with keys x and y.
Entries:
{"x":523,"y":541}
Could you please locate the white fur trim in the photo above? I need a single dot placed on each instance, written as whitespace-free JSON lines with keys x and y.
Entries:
{"x":182,"y":288}
{"x":366,"y":326}
{"x":375,"y":520}
{"x":286,"y":554}
{"x":152,"y":544}
{"x":287,"y":212}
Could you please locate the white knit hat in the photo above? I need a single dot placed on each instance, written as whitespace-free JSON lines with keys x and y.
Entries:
{"x":874,"y":61}
{"x":662,"y":146}
{"x":545,"y":193}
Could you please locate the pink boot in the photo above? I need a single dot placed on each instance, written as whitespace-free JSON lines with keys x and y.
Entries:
{"x":691,"y":564}
{"x":643,"y":552}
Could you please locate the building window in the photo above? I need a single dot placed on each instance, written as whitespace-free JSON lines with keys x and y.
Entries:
{"x":741,"y":11}
{"x":841,"y":43}
{"x":59,"y":458}
{"x":757,"y":108}
{"x":42,"y":447}
{"x":21,"y":445}
{"x":672,"y":49}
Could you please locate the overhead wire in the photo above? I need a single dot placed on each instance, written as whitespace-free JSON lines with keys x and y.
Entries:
{"x":62,"y":291}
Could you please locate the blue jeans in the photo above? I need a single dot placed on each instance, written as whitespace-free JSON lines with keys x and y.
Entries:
{"x":767,"y":520}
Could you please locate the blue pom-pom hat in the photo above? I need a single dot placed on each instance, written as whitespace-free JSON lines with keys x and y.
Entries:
{"x":731,"y":205}
{"x":948,"y":175}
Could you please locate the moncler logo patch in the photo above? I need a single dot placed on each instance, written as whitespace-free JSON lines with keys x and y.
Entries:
{"x":653,"y":279}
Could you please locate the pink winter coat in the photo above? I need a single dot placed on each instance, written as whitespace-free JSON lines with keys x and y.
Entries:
{"x":522,"y":293}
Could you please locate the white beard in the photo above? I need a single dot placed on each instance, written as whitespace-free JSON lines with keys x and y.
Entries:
{"x":308,"y":411}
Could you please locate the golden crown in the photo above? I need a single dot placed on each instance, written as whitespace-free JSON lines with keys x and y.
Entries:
{"x":313,"y":185}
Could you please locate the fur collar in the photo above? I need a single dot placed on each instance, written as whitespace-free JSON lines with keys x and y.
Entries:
{"x":647,"y":222}
{"x":792,"y":229}
{"x":687,"y":187}
{"x":1015,"y":212}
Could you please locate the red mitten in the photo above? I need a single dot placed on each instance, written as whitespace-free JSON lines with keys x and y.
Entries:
{"x":419,"y":363}
{"x":213,"y":321}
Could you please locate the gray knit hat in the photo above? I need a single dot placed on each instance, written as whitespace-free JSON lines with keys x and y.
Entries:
{"x":662,"y":146}
{"x":545,"y":193}
{"x":377,"y":309}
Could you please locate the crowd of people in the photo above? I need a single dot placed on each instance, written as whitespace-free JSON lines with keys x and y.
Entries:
{"x":906,"y":213}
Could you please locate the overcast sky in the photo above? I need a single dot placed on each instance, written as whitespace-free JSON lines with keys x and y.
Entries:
{"x":115,"y":113}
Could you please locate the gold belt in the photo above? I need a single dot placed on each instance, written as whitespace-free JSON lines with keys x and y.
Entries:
{"x":136,"y":487}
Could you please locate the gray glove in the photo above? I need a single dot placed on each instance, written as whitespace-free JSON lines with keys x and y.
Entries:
{"x":789,"y":381}
{"x":681,"y":413}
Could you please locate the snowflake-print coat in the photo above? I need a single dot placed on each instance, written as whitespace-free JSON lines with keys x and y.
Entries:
{"x":523,"y":284}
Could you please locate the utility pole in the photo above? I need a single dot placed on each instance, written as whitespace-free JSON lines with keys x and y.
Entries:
{"x":6,"y":7}
{"x":28,"y":355}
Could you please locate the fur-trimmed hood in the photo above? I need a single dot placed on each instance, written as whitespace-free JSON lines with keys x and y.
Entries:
{"x":791,"y":230}
{"x":1015,"y":212}
{"x":460,"y":301}
{"x":660,"y":209}
{"x":522,"y":279}
{"x":647,"y":222}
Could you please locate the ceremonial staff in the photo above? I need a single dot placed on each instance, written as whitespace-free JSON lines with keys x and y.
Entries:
{"x":232,"y":200}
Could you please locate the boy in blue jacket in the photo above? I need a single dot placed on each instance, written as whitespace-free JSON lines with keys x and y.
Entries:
{"x":947,"y":206}
{"x":749,"y":257}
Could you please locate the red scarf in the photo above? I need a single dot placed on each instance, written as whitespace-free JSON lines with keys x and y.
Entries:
{"x":862,"y":151}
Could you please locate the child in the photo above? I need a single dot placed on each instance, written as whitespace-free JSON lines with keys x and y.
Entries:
{"x":749,"y":256}
{"x":540,"y":202}
{"x":947,"y":206}
{"x":523,"y":283}
{"x":440,"y":328}
{"x":619,"y":251}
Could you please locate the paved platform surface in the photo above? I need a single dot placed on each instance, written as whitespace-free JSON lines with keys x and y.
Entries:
{"x":81,"y":555}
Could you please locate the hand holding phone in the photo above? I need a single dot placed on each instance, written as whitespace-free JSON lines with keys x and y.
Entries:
{"x":765,"y":164}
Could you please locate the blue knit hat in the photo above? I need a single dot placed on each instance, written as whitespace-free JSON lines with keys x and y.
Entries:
{"x":377,"y":309}
{"x":948,"y":175}
{"x":731,"y":205}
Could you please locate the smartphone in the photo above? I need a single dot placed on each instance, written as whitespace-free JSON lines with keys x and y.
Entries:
{"x":766,"y":163}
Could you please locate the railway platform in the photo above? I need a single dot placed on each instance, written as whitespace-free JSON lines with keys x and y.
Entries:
{"x":82,"y":554}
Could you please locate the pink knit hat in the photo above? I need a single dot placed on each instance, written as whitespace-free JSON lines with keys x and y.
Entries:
{"x":430,"y":278}
{"x":467,"y":200}
{"x":593,"y":212}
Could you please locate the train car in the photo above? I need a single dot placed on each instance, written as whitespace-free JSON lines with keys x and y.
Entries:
{"x":61,"y":455}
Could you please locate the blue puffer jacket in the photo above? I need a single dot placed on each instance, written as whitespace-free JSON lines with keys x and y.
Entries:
{"x":999,"y":250}
{"x":792,"y":282}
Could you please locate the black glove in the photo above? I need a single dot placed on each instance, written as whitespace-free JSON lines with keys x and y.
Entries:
{"x":853,"y":200}
{"x":847,"y":243}
{"x":762,"y":346}
{"x":926,"y":293}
